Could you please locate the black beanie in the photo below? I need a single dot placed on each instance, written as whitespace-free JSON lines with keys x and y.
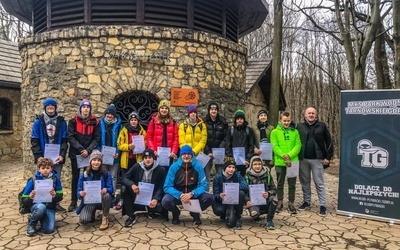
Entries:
{"x":262,"y":111}
{"x":213,"y":105}
{"x":229,"y":162}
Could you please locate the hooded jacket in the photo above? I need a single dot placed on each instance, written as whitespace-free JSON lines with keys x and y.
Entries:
{"x":220,"y":179}
{"x":195,"y":139}
{"x":285,"y":141}
{"x":264,"y":177}
{"x":155,"y":132}
{"x":216,"y":133}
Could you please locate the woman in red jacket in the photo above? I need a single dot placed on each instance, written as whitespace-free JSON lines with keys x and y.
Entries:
{"x":162,"y":131}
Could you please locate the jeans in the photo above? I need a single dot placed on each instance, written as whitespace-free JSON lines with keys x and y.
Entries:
{"x":114,"y":173}
{"x":46,"y":217}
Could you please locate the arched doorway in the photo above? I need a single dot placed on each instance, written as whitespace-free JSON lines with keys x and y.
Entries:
{"x":142,"y":102}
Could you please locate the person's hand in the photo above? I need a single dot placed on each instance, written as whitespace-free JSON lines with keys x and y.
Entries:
{"x":265,"y":195}
{"x":222,"y":195}
{"x":153,"y":203}
{"x":131,"y":146}
{"x":82,"y":193}
{"x":185,"y":198}
{"x":32,"y":194}
{"x":246,"y":163}
{"x":156,"y":153}
{"x":103,"y":191}
{"x":248,"y":204}
{"x":326,"y":162}
{"x":116,"y":156}
{"x":59,"y":159}
{"x":288,"y":164}
{"x":172,"y":155}
{"x":135,"y":189}
{"x":84,"y":153}
{"x":211,"y":155}
{"x":257,"y":151}
{"x":52,"y":193}
{"x":286,"y":157}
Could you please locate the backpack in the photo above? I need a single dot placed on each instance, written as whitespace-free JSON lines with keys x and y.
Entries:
{"x":247,"y":131}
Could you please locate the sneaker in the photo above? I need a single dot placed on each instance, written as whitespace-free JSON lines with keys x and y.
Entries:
{"x":239,"y":224}
{"x":60,"y":209}
{"x":72,"y":206}
{"x":304,"y":206}
{"x":130,"y":221}
{"x":270,"y":225}
{"x":119,"y":205}
{"x":279,"y":209}
{"x":31,"y":229}
{"x":104,"y":223}
{"x":292,"y":209}
{"x":196,"y":218}
{"x":175,"y":216}
{"x":322,"y":211}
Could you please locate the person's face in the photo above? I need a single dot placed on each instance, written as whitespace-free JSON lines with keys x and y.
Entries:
{"x":50,"y":110}
{"x":239,"y":121}
{"x":85,"y":110}
{"x":285,"y":120}
{"x":110,"y":117}
{"x":148,"y":160}
{"x":263,"y":117}
{"x":310,"y":114}
{"x":213,"y":112}
{"x":95,"y":164}
{"x":134,"y":122}
{"x":229,"y":170}
{"x":186,"y":158}
{"x":164,"y":110}
{"x":257,"y":166}
{"x":193,"y":116}
{"x":45,"y":170}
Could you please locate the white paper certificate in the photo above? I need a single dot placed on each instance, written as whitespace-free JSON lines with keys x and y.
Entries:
{"x":239,"y":155}
{"x":203,"y":159}
{"x":193,"y":206}
{"x":145,"y":193}
{"x":232,"y":193}
{"x":256,"y":191}
{"x":292,"y":171}
{"x":92,"y":189}
{"x":266,"y":149}
{"x":138,"y":141}
{"x":43,"y":188}
{"x":108,"y":154}
{"x":163,"y":156}
{"x":82,"y":162}
{"x":219,"y":155}
{"x":52,"y":151}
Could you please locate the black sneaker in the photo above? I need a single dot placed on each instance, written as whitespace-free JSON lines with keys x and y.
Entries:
{"x":322,"y":211}
{"x":60,"y":209}
{"x":175,"y":216}
{"x":304,"y":206}
{"x":239,"y":224}
{"x":31,"y":229}
{"x":130,"y":221}
{"x":72,"y":206}
{"x":292,"y":209}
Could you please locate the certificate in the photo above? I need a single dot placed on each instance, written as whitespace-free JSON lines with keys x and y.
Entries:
{"x":203,"y":159}
{"x":292,"y":171}
{"x":219,"y":155}
{"x":52,"y":151}
{"x":138,"y":141}
{"x":145,"y":194}
{"x":82,"y":162}
{"x":92,"y":189}
{"x":43,"y":188}
{"x":266,"y":149}
{"x":239,"y":155}
{"x":256,"y":191}
{"x":193,"y":206}
{"x":232,"y":193}
{"x":163,"y":156}
{"x":108,"y":154}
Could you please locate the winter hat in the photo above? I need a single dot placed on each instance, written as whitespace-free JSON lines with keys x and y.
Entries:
{"x":240,"y":114}
{"x":164,"y":103}
{"x":49,"y":101}
{"x":262,"y":111}
{"x":229,"y":162}
{"x":213,"y":105}
{"x":133,"y":115}
{"x":192,"y":108}
{"x":255,"y":157}
{"x":148,"y":152}
{"x":186,"y":150}
{"x":96,"y":154}
{"x":85,"y":102}
{"x":111,"y":110}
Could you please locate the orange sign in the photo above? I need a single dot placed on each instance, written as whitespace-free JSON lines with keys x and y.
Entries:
{"x":184,"y":97}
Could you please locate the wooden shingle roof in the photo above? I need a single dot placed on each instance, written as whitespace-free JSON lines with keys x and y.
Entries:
{"x":10,"y":65}
{"x":255,"y":70}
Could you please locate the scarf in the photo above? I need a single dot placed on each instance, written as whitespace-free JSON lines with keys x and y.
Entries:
{"x":226,"y":175}
{"x":262,"y":126}
{"x":107,"y":122}
{"x":133,"y":129}
{"x":50,"y":123}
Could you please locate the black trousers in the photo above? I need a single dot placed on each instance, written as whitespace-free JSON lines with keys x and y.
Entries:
{"x":130,"y":207}
{"x":220,"y":209}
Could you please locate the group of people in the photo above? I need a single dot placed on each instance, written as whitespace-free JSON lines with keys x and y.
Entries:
{"x":183,"y":179}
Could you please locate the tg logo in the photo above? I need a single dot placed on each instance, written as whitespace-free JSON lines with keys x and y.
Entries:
{"x":372,"y":156}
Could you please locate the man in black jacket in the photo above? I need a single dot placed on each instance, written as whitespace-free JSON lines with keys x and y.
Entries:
{"x":146,"y":171}
{"x":315,"y":155}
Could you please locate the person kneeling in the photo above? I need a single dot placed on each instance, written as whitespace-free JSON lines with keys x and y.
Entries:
{"x":232,"y":214}
{"x":259,"y":174}
{"x":95,"y":172}
{"x":146,"y":171}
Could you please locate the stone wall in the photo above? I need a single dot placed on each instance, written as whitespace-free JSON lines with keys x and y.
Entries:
{"x":254,"y":102}
{"x":103,"y":62}
{"x":11,"y":140}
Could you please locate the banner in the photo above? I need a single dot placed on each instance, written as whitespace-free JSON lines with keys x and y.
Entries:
{"x":369,"y":179}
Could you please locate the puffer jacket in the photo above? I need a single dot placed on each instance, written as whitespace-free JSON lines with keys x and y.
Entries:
{"x":220,"y":179}
{"x":197,"y":139}
{"x":83,"y":134}
{"x":216,"y":132}
{"x":155,"y":132}
{"x":285,"y":141}
{"x":123,"y":146}
{"x":242,"y":136}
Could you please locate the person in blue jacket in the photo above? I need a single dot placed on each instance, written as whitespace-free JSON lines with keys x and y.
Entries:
{"x":50,"y":128}
{"x":230,"y":175}
{"x":186,"y":180}
{"x":94,"y":172}
{"x":45,"y":213}
{"x":110,"y":126}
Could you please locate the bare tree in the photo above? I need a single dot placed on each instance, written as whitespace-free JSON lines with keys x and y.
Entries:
{"x":11,"y":29}
{"x":396,"y":38}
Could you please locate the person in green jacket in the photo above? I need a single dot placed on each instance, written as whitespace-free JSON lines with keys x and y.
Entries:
{"x":286,"y":147}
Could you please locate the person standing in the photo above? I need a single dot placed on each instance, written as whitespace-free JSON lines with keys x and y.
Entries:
{"x":84,"y":137}
{"x":216,"y":133}
{"x":262,"y":134}
{"x":50,"y":128}
{"x":316,"y":154}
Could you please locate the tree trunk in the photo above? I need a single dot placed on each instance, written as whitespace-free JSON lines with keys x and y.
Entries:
{"x":396,"y":38}
{"x":381,"y":61}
